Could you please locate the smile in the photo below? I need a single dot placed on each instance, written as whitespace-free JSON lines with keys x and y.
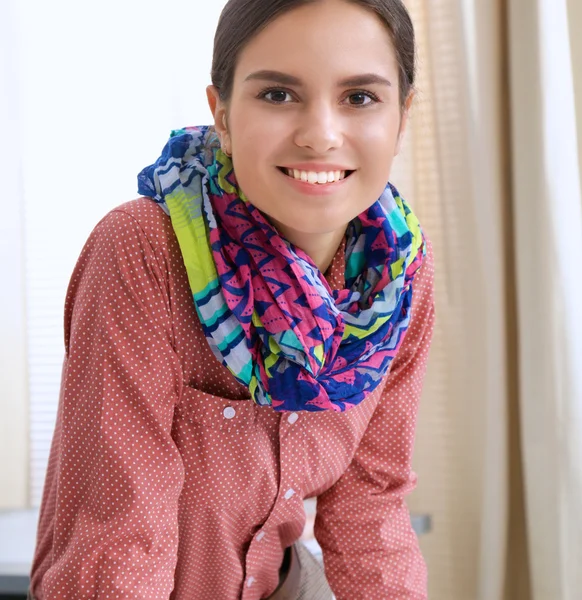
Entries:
{"x":316,"y":178}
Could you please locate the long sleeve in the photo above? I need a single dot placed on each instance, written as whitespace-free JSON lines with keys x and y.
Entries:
{"x":110,"y":503}
{"x":363,"y":524}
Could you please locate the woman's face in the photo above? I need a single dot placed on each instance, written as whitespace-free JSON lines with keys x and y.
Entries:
{"x":317,"y":91}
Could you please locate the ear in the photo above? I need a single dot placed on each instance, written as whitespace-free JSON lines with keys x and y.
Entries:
{"x":404,"y":122}
{"x":220,"y":113}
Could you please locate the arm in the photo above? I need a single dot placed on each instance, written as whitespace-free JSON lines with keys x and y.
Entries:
{"x":363,"y":524}
{"x":108,"y":525}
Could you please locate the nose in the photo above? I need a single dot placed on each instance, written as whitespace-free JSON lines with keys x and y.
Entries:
{"x":319,"y":128}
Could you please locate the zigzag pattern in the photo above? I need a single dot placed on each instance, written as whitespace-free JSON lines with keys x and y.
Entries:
{"x":296,"y":344}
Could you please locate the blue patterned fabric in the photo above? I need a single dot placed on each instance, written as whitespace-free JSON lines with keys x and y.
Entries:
{"x":293,"y":341}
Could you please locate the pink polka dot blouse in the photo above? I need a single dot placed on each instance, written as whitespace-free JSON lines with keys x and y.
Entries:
{"x":166,"y":481}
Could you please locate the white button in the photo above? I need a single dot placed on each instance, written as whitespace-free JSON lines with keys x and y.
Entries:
{"x":229,"y":412}
{"x":250,"y":581}
{"x":292,"y":418}
{"x":260,"y":535}
{"x":289,"y":494}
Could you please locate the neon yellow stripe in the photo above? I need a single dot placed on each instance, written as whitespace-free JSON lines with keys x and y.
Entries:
{"x":192,"y":237}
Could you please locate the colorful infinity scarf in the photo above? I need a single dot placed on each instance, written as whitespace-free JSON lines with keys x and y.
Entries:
{"x":295,"y":343}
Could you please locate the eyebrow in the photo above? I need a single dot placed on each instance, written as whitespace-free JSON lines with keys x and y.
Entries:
{"x":285,"y":79}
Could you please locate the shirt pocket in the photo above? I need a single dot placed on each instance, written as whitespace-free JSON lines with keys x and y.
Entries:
{"x":215,"y":412}
{"x":227,"y":443}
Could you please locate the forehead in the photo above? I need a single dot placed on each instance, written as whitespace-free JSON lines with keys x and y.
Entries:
{"x":331,"y":36}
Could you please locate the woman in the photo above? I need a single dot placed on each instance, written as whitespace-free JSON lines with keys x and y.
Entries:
{"x":190,"y":432}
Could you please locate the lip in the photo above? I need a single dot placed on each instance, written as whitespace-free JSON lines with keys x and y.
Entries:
{"x":317,"y":167}
{"x":311,"y":189}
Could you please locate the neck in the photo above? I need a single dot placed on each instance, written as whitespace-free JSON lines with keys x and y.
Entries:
{"x":321,"y":248}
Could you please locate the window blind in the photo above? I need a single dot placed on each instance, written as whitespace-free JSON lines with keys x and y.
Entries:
{"x":95,"y":114}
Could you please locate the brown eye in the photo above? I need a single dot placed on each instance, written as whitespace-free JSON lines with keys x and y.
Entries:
{"x":359,"y":99}
{"x":275,"y":96}
{"x":362,"y":99}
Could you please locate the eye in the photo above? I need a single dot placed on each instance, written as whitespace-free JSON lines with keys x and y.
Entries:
{"x":276,"y":96}
{"x":362,"y":98}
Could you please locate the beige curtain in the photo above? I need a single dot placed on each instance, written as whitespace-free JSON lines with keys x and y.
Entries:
{"x":548,"y":234}
{"x":492,"y":168}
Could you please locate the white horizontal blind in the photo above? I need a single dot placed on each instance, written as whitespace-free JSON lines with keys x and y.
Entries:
{"x":102,"y":86}
{"x":13,"y":387}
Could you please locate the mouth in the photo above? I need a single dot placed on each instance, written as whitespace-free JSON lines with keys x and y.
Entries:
{"x":316,"y":178}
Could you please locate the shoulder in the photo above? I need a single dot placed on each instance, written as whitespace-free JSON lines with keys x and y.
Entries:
{"x":418,"y":336}
{"x":423,"y":284}
{"x":133,"y":242}
{"x":424,"y":278}
{"x":141,"y":215}
{"x":423,"y":288}
{"x":134,"y":229}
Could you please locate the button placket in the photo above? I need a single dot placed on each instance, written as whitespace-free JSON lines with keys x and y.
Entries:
{"x":292,"y":418}
{"x":290,"y":482}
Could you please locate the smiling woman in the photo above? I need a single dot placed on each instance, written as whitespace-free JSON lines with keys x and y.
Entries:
{"x":251,"y":332}
{"x":314,"y":93}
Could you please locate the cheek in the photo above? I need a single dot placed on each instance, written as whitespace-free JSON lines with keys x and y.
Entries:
{"x":381,"y":133}
{"x":256,"y":130}
{"x":381,"y":143}
{"x":377,"y":149}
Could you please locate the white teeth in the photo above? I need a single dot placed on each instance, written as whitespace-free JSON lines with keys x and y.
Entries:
{"x":316,"y":178}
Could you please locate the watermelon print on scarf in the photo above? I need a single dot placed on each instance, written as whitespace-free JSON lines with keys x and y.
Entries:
{"x":296,"y":344}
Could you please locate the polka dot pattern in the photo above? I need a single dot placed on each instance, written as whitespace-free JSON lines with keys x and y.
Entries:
{"x":166,"y":481}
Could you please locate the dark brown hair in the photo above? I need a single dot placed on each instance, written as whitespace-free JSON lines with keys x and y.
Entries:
{"x":241,"y":20}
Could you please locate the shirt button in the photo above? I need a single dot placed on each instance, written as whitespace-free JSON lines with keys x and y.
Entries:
{"x":250,"y":581}
{"x":260,"y":535}
{"x":289,"y":494}
{"x":229,"y":412}
{"x":292,"y":418}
